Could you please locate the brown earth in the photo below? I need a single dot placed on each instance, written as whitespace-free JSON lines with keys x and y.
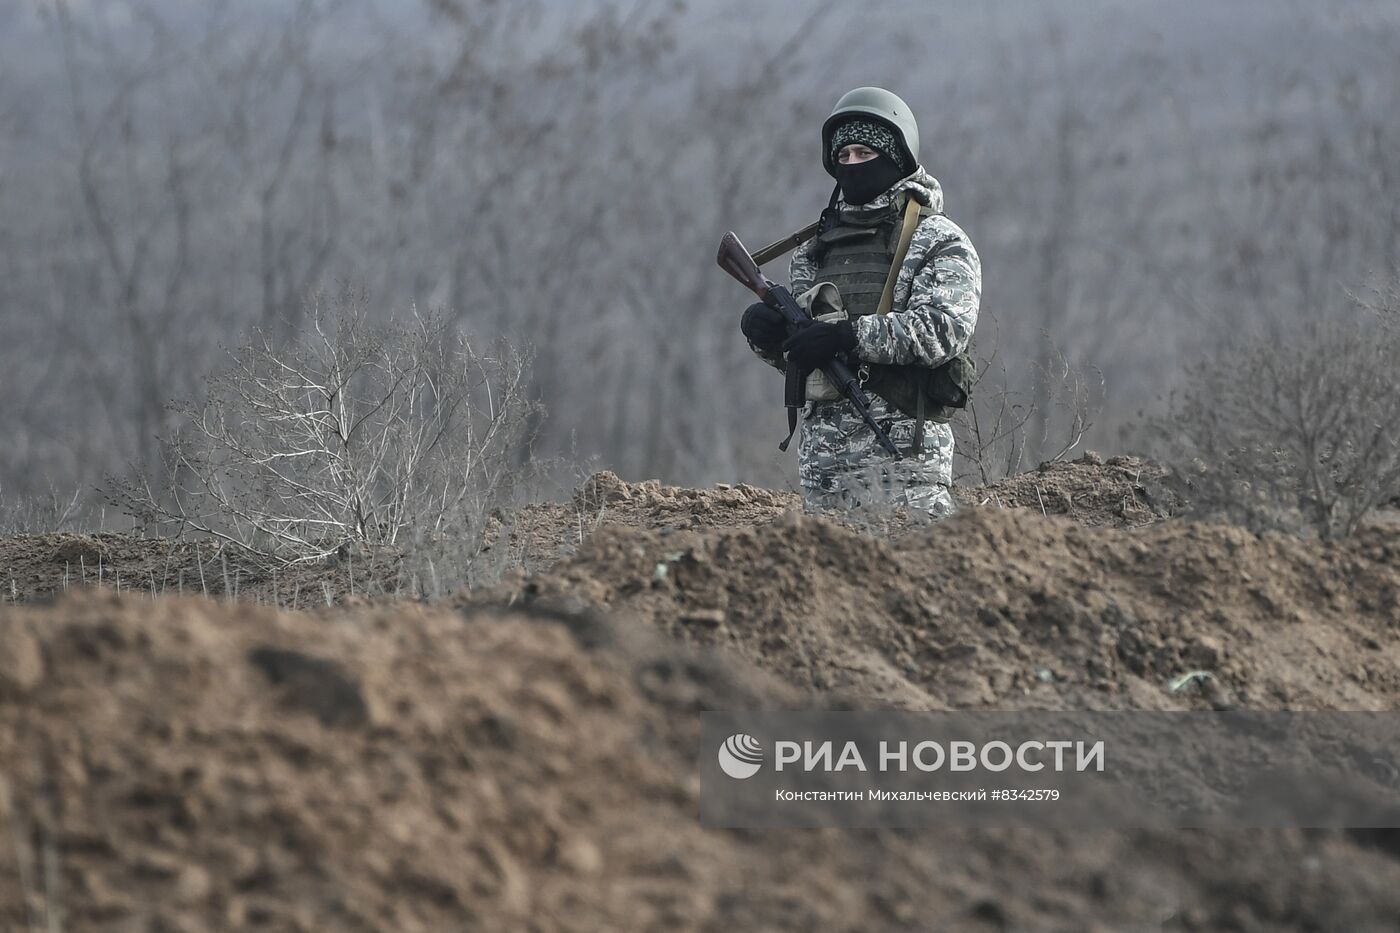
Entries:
{"x":1011,"y":609}
{"x":532,"y":538}
{"x":34,"y":567}
{"x":186,"y":765}
{"x":525,"y":758}
{"x":1120,"y":491}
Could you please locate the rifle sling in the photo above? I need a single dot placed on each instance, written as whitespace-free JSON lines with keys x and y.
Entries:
{"x":793,"y":240}
{"x":787,"y":244}
{"x":906,"y":235}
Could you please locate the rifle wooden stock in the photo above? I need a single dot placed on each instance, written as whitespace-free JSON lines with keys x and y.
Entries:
{"x":735,"y":260}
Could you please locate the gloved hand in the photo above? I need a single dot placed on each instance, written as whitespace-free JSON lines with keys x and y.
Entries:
{"x":819,"y":341}
{"x":764,"y":326}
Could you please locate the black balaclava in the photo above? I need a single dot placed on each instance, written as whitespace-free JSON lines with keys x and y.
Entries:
{"x":862,"y":182}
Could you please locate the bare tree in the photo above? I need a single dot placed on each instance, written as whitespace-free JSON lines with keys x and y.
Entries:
{"x":173,"y":173}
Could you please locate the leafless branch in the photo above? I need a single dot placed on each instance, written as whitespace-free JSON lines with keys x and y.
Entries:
{"x":352,"y":435}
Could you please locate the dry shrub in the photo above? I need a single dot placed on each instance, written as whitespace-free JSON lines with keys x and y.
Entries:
{"x":1004,"y":425}
{"x":1298,"y":434}
{"x":41,"y":514}
{"x":352,"y":435}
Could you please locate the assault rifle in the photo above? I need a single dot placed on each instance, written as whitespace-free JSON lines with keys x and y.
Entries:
{"x":735,"y":260}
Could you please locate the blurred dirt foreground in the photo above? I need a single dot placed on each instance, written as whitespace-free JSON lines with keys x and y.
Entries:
{"x":521,"y":756}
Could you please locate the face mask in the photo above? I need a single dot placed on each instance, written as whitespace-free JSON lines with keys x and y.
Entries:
{"x":862,"y":182}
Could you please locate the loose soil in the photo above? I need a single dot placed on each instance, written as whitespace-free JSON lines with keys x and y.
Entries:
{"x":522,"y":756}
{"x":532,"y":538}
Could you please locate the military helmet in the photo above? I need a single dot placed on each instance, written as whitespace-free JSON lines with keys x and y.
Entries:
{"x":879,"y":105}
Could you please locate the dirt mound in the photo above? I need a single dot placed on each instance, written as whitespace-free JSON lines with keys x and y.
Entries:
{"x":191,"y":765}
{"x":1121,"y":491}
{"x":533,"y":537}
{"x":526,"y":761}
{"x":1008,"y":608}
{"x":540,"y":534}
{"x":185,"y":765}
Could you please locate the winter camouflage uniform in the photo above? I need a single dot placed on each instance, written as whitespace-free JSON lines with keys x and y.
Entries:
{"x":936,"y":297}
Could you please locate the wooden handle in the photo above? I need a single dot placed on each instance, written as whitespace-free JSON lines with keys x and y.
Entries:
{"x":735,"y":260}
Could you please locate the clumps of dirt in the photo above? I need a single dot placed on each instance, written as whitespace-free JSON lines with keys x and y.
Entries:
{"x":1005,"y":608}
{"x":526,"y":760}
{"x":604,"y":496}
{"x":180,"y":764}
{"x":188,"y":765}
{"x":533,"y":537}
{"x":1120,"y":491}
{"x":537,"y":535}
{"x":80,"y":550}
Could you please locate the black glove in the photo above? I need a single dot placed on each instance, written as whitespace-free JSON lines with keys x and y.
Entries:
{"x":765,"y":327}
{"x":818,"y":342}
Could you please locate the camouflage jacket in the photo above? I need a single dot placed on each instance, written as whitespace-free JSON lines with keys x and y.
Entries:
{"x":936,"y":294}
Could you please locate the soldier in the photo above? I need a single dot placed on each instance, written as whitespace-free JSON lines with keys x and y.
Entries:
{"x":911,"y":351}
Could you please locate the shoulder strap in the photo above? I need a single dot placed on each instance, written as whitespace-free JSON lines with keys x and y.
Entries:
{"x":912,"y":210}
{"x":913,"y":213}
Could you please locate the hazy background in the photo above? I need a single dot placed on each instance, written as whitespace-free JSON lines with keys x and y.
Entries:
{"x":1142,"y":181}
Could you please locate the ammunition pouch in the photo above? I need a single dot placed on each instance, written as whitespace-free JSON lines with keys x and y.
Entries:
{"x":933,"y":394}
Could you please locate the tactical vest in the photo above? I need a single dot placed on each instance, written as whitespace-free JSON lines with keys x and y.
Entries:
{"x":856,"y":254}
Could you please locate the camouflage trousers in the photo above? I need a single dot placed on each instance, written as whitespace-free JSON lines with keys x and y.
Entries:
{"x":841,"y":465}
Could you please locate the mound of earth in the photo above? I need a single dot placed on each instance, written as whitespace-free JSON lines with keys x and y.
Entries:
{"x":180,"y":764}
{"x":1006,"y":608}
{"x":539,"y":534}
{"x":1122,"y":491}
{"x":198,"y":766}
{"x":524,"y":757}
